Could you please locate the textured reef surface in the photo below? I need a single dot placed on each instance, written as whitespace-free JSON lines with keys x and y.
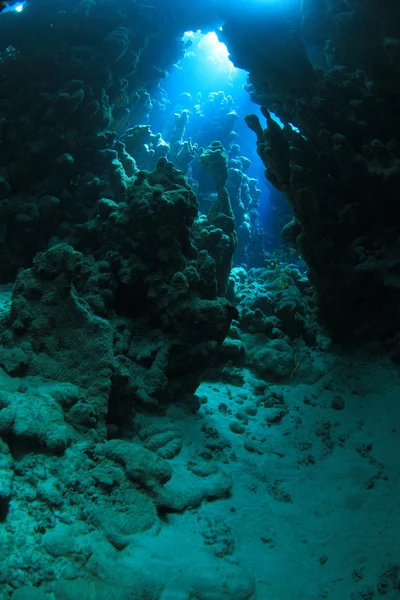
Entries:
{"x":186,"y":414}
{"x":341,"y":167}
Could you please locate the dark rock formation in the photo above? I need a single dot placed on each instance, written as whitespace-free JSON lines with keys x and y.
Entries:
{"x":67,"y":92}
{"x":140,"y":303}
{"x":204,"y":120}
{"x":215,"y":160}
{"x":341,"y":170}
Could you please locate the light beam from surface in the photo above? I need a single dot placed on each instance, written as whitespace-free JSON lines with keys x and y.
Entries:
{"x":213,"y":52}
{"x":15,"y":7}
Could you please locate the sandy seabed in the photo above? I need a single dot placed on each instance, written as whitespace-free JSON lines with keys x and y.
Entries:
{"x":315,"y":504}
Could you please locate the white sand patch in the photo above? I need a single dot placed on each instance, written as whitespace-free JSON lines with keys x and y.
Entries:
{"x":317,"y":515}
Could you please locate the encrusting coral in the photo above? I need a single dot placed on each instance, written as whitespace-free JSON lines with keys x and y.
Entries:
{"x":215,"y":160}
{"x":340,"y":168}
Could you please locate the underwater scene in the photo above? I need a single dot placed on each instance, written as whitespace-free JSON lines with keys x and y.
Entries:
{"x":200,"y":300}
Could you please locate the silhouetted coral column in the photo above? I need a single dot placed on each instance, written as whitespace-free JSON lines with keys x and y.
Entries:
{"x":215,"y":161}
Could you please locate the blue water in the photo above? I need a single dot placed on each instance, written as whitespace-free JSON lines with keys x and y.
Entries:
{"x":178,"y":420}
{"x":15,"y":7}
{"x":206,"y":69}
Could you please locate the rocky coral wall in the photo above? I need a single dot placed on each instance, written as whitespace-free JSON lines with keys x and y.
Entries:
{"x":71,"y":75}
{"x":341,"y":171}
{"x":198,"y":123}
{"x":186,"y":130}
{"x":114,"y":311}
{"x":104,"y":248}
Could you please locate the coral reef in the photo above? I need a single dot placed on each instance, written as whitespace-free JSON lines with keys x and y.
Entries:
{"x":143,"y":275}
{"x":67,"y":93}
{"x":277,"y":334}
{"x":114,"y":310}
{"x":340,"y":169}
{"x":204,"y":120}
{"x":215,"y":160}
{"x":118,"y":240}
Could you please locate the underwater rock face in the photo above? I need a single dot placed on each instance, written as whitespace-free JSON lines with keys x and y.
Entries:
{"x":117,"y":481}
{"x":114,"y":310}
{"x":341,"y":170}
{"x":215,"y":160}
{"x":67,"y":93}
{"x":143,"y":306}
{"x":208,"y":124}
{"x":276,"y":333}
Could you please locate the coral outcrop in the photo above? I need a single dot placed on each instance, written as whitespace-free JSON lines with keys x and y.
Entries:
{"x":67,"y":93}
{"x":143,"y":301}
{"x":215,"y":160}
{"x":340,"y":168}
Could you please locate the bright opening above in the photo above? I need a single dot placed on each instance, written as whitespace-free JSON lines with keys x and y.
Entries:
{"x":16,"y":7}
{"x":214,"y":53}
